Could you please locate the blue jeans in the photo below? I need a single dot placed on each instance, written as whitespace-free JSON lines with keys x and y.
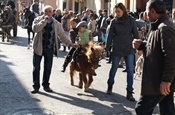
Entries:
{"x":48,"y":59}
{"x":129,"y":60}
{"x":147,"y":103}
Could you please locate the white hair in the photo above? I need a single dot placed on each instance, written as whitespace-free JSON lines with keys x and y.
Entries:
{"x":48,"y":7}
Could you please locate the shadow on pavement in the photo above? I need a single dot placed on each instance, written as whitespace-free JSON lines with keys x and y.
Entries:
{"x":19,"y":41}
{"x":114,"y":97}
{"x":97,"y":108}
{"x":13,"y":95}
{"x":62,"y":54}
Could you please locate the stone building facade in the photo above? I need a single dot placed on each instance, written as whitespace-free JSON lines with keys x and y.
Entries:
{"x":80,"y":5}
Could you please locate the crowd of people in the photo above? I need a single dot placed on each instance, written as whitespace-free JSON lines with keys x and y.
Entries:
{"x":151,"y":35}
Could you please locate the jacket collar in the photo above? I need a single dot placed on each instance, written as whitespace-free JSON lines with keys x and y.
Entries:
{"x":154,"y":25}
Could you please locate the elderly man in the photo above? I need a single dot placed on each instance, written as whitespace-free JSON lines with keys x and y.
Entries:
{"x":45,"y":44}
{"x":158,"y":79}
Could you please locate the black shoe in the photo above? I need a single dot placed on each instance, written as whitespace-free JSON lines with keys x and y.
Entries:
{"x":64,"y":49}
{"x":130,"y":97}
{"x":35,"y":91}
{"x":63,"y":70}
{"x":109,"y":90}
{"x":48,"y":89}
{"x":94,"y":74}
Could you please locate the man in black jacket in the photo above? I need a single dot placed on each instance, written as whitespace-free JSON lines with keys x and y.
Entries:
{"x":99,"y":20}
{"x":58,"y":15}
{"x":158,"y":79}
{"x":35,"y":7}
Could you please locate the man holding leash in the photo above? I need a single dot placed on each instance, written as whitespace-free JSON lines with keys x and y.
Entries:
{"x":158,"y":79}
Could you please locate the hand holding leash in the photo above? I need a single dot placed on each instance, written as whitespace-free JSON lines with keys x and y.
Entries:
{"x":136,"y":43}
{"x":75,"y":45}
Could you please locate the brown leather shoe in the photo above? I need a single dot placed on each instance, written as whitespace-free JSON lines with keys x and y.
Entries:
{"x":35,"y":91}
{"x":48,"y":89}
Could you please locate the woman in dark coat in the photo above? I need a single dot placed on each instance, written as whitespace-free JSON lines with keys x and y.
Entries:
{"x":122,"y":31}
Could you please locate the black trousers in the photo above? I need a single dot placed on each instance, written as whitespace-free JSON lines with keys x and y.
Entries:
{"x":71,"y":52}
{"x":74,"y":52}
{"x":146,"y":104}
{"x":48,"y":59}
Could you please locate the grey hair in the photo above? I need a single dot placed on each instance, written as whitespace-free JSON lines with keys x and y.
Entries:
{"x":48,"y":7}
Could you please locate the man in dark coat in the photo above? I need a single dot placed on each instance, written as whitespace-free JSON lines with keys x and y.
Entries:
{"x":58,"y":15}
{"x":35,"y":7}
{"x":103,"y":22}
{"x":99,"y":20}
{"x":158,"y":79}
